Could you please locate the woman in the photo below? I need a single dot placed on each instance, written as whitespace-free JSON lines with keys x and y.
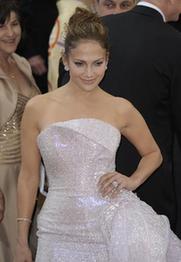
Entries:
{"x":90,"y":213}
{"x":16,"y":88}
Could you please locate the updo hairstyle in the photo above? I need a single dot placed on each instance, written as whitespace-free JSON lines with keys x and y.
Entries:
{"x":85,"y":25}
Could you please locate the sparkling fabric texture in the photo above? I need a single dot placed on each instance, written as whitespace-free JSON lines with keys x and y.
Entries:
{"x":76,"y":224}
{"x":10,"y":134}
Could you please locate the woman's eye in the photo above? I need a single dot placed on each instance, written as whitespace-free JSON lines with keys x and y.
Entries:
{"x":98,"y":63}
{"x":15,"y":23}
{"x":78,"y":63}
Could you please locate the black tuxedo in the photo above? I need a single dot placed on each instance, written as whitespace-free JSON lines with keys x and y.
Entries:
{"x":145,"y":68}
{"x":177,"y":24}
{"x":177,"y":152}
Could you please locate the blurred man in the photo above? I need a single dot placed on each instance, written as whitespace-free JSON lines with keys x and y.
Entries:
{"x":107,"y":7}
{"x":144,"y":67}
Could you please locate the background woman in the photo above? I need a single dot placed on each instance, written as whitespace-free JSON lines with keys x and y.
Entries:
{"x":17,"y":86}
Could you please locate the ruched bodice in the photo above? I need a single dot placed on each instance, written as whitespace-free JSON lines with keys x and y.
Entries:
{"x":76,"y":223}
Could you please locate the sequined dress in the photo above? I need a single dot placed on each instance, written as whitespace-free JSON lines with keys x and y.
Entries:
{"x":76,"y":224}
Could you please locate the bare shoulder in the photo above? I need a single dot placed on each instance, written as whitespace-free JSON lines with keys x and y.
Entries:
{"x":56,"y":94}
{"x":125,"y":111}
{"x":40,"y":101}
{"x":123,"y":106}
{"x":36,"y":106}
{"x":36,"y":102}
{"x":41,"y":104}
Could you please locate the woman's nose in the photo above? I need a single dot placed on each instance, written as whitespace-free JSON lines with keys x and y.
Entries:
{"x":10,"y":31}
{"x":89,"y":72}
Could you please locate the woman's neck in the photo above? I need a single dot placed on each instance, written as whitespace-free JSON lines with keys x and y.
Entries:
{"x":72,"y":90}
{"x":6,"y":61}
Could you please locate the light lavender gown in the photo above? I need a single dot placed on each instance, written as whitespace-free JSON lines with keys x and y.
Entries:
{"x":76,"y":224}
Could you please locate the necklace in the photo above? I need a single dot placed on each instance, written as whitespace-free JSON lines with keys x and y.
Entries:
{"x":12,"y":75}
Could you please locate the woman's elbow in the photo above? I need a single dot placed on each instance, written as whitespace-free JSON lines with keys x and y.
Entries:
{"x":159,"y":157}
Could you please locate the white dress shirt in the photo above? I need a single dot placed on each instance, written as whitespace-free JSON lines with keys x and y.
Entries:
{"x":144,"y":3}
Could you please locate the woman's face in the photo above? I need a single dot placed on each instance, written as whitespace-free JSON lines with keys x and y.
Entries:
{"x":87,"y":64}
{"x":107,"y":7}
{"x":10,"y":34}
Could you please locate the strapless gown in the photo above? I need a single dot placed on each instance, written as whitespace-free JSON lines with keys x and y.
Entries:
{"x":76,"y":224}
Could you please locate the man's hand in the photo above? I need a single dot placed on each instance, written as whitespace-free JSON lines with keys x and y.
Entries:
{"x":37,"y":65}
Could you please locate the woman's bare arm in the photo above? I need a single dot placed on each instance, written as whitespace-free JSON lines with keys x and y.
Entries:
{"x":28,"y":180}
{"x":136,"y":131}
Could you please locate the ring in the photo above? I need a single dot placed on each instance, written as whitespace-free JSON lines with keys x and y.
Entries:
{"x":115,"y":184}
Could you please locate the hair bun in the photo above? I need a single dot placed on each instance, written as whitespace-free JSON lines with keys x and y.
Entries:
{"x":83,"y":25}
{"x":82,"y":16}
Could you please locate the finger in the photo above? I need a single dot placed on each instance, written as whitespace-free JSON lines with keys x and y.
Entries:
{"x":106,"y":186}
{"x":121,"y":186}
{"x":108,"y":190}
{"x":117,"y":190}
{"x":105,"y":177}
{"x":116,"y":177}
{"x":115,"y":193}
{"x":111,"y":188}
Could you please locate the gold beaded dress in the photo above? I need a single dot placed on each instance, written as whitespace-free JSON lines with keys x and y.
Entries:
{"x":12,"y":106}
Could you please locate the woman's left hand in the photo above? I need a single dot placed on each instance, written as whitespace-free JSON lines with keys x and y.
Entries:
{"x":111,"y":184}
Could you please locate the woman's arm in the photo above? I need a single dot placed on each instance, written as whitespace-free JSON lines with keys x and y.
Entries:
{"x":28,"y":180}
{"x":136,"y":131}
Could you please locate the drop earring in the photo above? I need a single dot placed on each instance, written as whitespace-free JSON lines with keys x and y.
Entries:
{"x":66,"y":68}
